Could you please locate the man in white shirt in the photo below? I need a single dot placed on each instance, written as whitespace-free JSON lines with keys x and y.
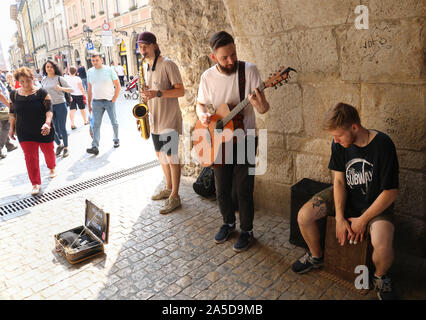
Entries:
{"x":220,"y":85}
{"x":103,"y":89}
{"x":121,"y":73}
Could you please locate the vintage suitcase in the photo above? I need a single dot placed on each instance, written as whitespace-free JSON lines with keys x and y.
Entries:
{"x":340,"y":262}
{"x":84,"y":242}
{"x":301,"y":192}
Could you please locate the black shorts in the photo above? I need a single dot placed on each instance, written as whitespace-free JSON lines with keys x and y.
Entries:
{"x":77,"y":101}
{"x":166,"y":142}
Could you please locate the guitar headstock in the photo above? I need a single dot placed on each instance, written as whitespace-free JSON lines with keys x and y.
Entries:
{"x":275,"y":79}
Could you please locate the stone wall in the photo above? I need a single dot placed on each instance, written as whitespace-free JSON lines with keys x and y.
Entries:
{"x":183,"y":29}
{"x":381,"y":71}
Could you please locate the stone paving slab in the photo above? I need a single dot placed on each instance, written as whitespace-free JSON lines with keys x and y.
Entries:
{"x":153,"y":256}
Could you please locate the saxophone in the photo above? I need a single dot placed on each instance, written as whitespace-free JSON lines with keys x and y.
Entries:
{"x":141,"y":111}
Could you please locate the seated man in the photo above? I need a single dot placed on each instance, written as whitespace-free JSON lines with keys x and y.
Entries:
{"x":365,"y":169}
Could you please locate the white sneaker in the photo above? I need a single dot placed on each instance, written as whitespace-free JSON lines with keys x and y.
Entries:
{"x":36,"y":190}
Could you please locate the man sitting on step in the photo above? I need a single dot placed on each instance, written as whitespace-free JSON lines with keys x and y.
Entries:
{"x":365,"y":169}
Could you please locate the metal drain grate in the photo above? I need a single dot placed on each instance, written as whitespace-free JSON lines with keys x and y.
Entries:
{"x":16,"y":206}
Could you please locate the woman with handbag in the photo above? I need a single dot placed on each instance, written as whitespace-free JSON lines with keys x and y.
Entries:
{"x":57,"y":88}
{"x":30,"y":116}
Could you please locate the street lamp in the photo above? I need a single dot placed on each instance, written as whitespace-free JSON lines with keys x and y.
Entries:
{"x":88,"y":32}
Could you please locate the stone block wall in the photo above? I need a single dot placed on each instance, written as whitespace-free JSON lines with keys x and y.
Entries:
{"x":381,"y":71}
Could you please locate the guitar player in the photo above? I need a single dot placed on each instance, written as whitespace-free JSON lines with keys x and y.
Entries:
{"x":221,"y":84}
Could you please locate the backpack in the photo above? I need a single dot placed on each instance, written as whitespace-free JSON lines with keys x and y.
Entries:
{"x":204,"y":185}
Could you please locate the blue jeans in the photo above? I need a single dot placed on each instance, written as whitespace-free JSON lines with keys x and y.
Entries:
{"x":84,"y":81}
{"x":98,"y":109}
{"x":59,"y":119}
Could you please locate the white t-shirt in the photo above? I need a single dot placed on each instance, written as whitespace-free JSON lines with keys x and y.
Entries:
{"x":73,"y":81}
{"x":119,"y":70}
{"x":217,"y":88}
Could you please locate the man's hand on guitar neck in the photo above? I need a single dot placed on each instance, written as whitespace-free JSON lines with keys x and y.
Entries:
{"x":258,"y":100}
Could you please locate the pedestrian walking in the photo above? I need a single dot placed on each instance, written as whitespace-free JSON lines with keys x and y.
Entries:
{"x":121,"y":73}
{"x":4,"y":122}
{"x":103,"y":89}
{"x":31,"y":116}
{"x":56,"y":85}
{"x":81,"y":72}
{"x":77,"y":95}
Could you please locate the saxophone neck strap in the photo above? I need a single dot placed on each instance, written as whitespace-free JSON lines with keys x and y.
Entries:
{"x":155,"y":63}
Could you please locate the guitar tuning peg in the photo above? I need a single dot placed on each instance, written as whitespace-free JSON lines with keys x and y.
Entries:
{"x":275,"y":87}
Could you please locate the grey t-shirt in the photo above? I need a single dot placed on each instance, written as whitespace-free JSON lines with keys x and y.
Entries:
{"x":49,"y":85}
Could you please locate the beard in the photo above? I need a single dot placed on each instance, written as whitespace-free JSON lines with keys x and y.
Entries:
{"x":228,"y":70}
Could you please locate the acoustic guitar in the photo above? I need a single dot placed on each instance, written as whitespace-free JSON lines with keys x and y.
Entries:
{"x":208,"y":139}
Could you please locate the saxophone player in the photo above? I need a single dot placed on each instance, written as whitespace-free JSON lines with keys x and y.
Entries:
{"x":164,"y":87}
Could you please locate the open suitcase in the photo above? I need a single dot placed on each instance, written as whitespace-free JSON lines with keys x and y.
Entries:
{"x":85,"y":242}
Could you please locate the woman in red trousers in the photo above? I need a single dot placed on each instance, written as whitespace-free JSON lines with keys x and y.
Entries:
{"x":31,"y":116}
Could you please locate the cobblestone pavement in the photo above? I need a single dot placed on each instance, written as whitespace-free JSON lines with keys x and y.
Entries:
{"x":153,"y":256}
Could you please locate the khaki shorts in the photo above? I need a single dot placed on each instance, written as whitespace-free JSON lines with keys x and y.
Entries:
{"x":328,"y":197}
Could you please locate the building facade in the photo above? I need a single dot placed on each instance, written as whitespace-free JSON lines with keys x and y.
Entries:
{"x":125,"y":19}
{"x":56,"y":36}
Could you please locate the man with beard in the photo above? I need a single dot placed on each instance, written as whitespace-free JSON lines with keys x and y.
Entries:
{"x":365,"y":168}
{"x":220,"y":85}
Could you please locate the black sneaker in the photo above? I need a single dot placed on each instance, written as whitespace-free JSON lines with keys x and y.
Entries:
{"x":59,"y":149}
{"x":66,"y":153}
{"x":383,"y":287}
{"x":244,"y":241}
{"x":93,"y":150}
{"x":306,"y":263}
{"x":224,"y":232}
{"x":116,"y":144}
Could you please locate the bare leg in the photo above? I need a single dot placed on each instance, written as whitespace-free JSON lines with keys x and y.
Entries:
{"x":381,"y":233}
{"x":72,"y":116}
{"x":311,"y":211}
{"x":175,"y":174}
{"x":166,"y":169}
{"x":83,"y":114}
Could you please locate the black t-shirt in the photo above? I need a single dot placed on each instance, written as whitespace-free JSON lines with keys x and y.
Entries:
{"x":368,"y":170}
{"x":30,"y":115}
{"x":82,"y":72}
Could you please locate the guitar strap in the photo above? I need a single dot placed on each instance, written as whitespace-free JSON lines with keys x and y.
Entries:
{"x":239,"y":118}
